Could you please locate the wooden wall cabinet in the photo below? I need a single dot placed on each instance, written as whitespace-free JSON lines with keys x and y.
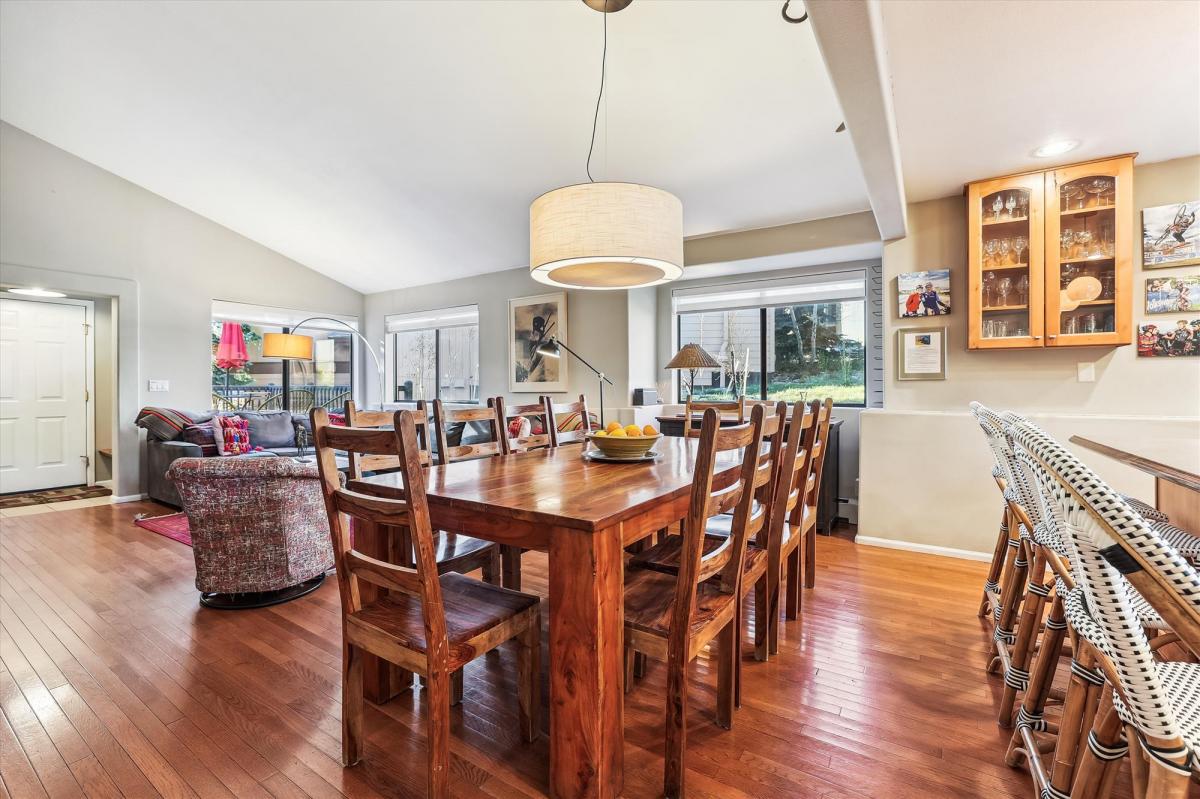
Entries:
{"x":1050,"y":257}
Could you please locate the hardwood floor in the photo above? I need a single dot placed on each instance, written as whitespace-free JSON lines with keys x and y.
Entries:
{"x":115,"y":682}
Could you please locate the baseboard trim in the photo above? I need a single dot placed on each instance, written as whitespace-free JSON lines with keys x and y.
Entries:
{"x":925,"y":549}
{"x":130,"y":498}
{"x":104,"y":484}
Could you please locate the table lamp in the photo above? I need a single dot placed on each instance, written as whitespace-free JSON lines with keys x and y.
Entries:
{"x":693,"y":358}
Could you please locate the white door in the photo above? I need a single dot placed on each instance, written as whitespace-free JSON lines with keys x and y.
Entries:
{"x":43,"y":401}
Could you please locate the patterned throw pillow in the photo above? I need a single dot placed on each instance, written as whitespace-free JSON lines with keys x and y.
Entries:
{"x":164,"y":424}
{"x":202,"y":436}
{"x":518,"y":427}
{"x":232,"y":434}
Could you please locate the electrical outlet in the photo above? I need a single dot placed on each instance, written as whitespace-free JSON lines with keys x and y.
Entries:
{"x":158,"y":385}
{"x":1087,"y":372}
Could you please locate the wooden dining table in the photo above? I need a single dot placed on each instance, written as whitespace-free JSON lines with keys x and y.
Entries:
{"x":1176,"y":486}
{"x":583,"y":513}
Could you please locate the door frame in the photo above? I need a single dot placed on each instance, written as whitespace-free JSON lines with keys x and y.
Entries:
{"x":89,"y":371}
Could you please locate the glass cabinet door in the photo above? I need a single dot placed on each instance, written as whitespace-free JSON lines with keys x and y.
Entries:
{"x":1005,"y":251}
{"x":1088,"y":254}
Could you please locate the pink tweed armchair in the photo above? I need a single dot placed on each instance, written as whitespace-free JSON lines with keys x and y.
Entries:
{"x":260,"y":534}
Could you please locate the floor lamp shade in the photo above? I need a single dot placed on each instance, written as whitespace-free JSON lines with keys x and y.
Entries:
{"x":289,"y":346}
{"x":606,"y":236}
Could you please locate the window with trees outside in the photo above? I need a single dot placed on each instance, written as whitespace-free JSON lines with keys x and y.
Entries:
{"x":434,"y":355}
{"x":794,"y":339}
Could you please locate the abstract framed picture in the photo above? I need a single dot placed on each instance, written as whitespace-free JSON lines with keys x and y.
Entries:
{"x":532,"y":322}
{"x":923,"y":293}
{"x":1173,"y":294}
{"x":1178,"y":338}
{"x":1170,"y":235}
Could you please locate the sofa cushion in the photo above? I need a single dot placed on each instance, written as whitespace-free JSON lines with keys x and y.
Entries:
{"x":165,"y":424}
{"x":202,"y":436}
{"x":270,"y":429}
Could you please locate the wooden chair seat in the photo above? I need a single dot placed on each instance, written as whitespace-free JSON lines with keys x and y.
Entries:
{"x":456,"y":552}
{"x":664,"y":556}
{"x":650,"y":601}
{"x":473,"y":609}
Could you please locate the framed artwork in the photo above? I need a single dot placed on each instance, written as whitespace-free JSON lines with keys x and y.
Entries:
{"x":532,"y":321}
{"x":921,"y":353}
{"x":923,"y":293}
{"x":1173,"y":294}
{"x":1177,"y":339}
{"x":1170,"y":235}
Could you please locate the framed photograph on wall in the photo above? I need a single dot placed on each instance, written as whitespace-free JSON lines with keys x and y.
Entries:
{"x":1170,"y":235}
{"x":532,"y":321}
{"x":1173,"y":294}
{"x":921,"y":353}
{"x":1178,"y":338}
{"x":923,"y":293}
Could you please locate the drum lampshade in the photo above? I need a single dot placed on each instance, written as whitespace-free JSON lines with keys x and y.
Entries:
{"x":289,"y":346}
{"x":606,"y":236}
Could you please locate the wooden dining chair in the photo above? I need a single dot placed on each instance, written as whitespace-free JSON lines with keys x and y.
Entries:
{"x":426,"y":622}
{"x":799,"y":542}
{"x":536,"y":413}
{"x":491,"y":417}
{"x":735,"y":409}
{"x":577,"y":436}
{"x":673,"y":617}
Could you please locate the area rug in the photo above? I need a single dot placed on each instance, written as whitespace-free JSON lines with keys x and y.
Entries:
{"x":173,"y":526}
{"x":27,"y":498}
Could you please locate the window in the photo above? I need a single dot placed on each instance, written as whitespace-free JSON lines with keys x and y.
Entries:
{"x":793,"y":339}
{"x":434,"y":355}
{"x":274,"y":384}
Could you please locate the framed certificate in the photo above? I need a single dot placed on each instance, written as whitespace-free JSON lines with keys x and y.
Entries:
{"x":921,"y":353}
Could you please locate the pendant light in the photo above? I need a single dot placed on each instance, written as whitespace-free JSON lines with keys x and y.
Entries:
{"x":605,"y":235}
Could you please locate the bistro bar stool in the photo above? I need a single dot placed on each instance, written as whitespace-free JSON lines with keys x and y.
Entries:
{"x":425,"y":622}
{"x":673,"y":618}
{"x":1115,"y":552}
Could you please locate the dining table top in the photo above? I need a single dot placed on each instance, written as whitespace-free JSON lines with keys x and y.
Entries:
{"x":559,"y":486}
{"x":1179,"y":470}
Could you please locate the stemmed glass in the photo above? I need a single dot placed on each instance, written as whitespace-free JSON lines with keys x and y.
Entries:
{"x":1066,"y":240}
{"x":990,"y":248}
{"x":989,"y":286}
{"x":1010,"y":204}
{"x":997,"y":207}
{"x":1098,"y":187}
{"x":1004,"y":287}
{"x":1020,"y":244}
{"x":1023,"y":205}
{"x":1073,"y":192}
{"x":1005,"y":246}
{"x":1023,"y":290}
{"x":1067,"y":274}
{"x":1084,"y":239}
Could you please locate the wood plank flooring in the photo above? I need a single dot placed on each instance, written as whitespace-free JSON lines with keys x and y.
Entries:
{"x":114,"y":682}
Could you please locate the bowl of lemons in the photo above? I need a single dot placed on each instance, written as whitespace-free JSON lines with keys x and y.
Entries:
{"x":629,"y":441}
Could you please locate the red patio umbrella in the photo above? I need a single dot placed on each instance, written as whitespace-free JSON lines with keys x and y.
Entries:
{"x":231,"y":349}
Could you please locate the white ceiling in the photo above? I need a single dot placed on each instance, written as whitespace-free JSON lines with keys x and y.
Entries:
{"x":395,"y":144}
{"x":978,"y":86}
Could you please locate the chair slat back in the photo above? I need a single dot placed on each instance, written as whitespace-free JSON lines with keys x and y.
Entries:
{"x":378,"y":461}
{"x":823,"y":413}
{"x":443,"y":416}
{"x":537,"y":411}
{"x":766,"y":473}
{"x":792,"y":479}
{"x":733,"y":408}
{"x":412,"y":512}
{"x":560,"y":437}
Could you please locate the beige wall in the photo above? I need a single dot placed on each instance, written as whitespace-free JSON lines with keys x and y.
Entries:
{"x":950,"y":500}
{"x":68,"y":221}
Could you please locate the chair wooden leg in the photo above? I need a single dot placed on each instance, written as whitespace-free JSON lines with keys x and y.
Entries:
{"x":726,"y":673}
{"x":1016,"y":677}
{"x":437,"y":686}
{"x":529,"y":679}
{"x":1012,"y":595}
{"x":352,"y":705}
{"x":456,"y":687}
{"x":736,"y":657}
{"x":810,"y":557}
{"x":673,"y":765}
{"x":762,"y":619}
{"x":491,"y":567}
{"x":1109,"y":748}
{"x":993,"y":579}
{"x":791,"y":604}
{"x":639,"y":665}
{"x":1040,"y":682}
{"x":629,"y":658}
{"x":1072,"y":727}
{"x":511,"y":557}
{"x":1163,"y":783}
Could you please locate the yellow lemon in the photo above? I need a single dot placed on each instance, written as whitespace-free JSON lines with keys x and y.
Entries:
{"x":618,"y":433}
{"x":613,"y":426}
{"x":600,"y":433}
{"x":649,"y":430}
{"x":633,"y":430}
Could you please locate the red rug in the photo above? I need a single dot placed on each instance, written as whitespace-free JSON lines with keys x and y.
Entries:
{"x":173,"y":526}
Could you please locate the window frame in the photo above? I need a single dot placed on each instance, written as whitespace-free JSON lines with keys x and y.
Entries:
{"x":393,"y":355}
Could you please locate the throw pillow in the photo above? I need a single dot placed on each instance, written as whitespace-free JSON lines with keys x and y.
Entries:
{"x":270,"y":429}
{"x":518,"y":427}
{"x":232,"y":434}
{"x":164,"y":424}
{"x":202,"y":436}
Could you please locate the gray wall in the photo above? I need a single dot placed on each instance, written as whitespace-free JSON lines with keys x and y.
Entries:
{"x":597,"y":327}
{"x":58,"y":212}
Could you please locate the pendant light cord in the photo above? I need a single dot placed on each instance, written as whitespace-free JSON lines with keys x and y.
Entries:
{"x":596,"y":114}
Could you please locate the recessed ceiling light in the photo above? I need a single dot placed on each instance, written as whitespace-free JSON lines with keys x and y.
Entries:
{"x":37,"y":292}
{"x":1056,"y":148}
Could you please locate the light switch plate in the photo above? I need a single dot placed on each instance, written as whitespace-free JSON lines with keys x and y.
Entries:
{"x":159,"y":385}
{"x":1087,"y":373}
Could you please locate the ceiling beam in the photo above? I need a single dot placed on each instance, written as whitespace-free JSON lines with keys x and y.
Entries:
{"x":849,"y":34}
